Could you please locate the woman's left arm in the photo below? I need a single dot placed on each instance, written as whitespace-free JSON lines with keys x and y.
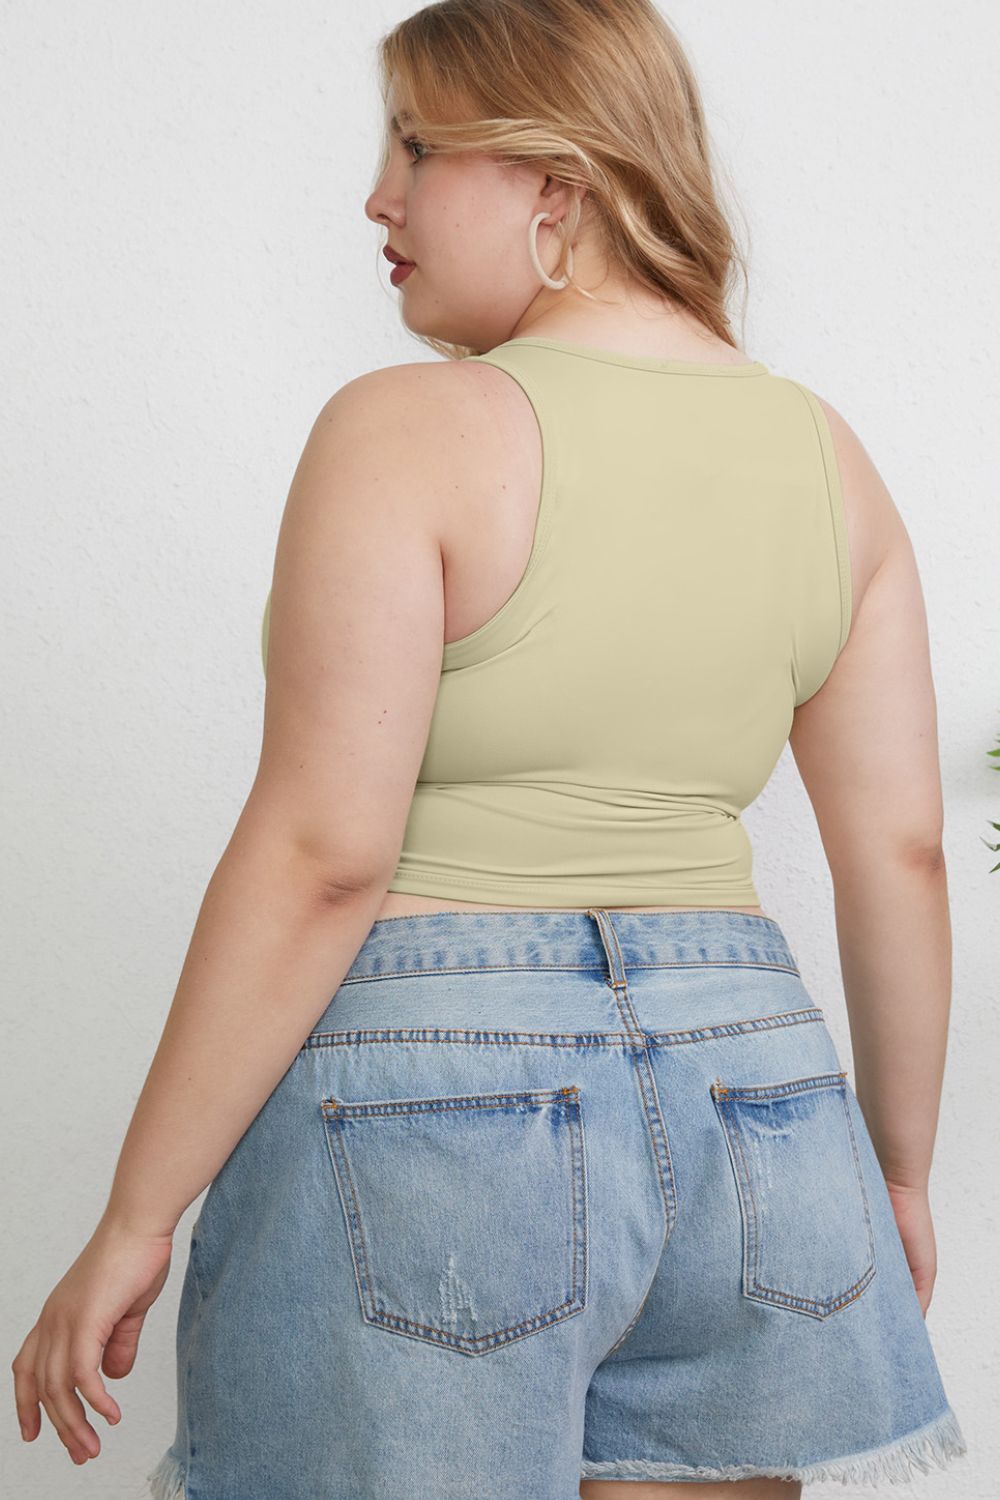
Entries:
{"x":353,"y":669}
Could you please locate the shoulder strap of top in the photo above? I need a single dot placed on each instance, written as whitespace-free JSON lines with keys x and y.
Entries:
{"x":550,"y":397}
{"x":835,"y":497}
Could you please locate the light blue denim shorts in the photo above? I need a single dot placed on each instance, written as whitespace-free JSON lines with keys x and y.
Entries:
{"x":552,"y":1195}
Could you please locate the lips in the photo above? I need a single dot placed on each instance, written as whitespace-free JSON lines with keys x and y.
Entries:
{"x":395,"y":257}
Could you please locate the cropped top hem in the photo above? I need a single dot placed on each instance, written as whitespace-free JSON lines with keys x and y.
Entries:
{"x":556,"y":893}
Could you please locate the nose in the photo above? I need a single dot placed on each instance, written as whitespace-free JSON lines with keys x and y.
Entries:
{"x":372,"y":210}
{"x":381,"y":205}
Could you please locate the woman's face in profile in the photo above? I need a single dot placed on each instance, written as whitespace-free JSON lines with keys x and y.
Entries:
{"x":462,"y":219}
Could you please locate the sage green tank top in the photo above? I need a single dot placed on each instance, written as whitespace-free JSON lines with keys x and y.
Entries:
{"x":595,"y":741}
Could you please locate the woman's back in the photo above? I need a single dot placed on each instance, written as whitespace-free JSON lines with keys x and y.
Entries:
{"x":651,"y":556}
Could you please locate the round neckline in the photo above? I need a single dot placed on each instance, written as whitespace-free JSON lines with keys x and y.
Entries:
{"x":636,"y":361}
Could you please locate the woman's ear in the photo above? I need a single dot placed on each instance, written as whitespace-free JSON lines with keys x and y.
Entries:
{"x":557,"y":196}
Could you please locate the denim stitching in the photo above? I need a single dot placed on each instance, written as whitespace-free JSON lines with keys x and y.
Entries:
{"x":861,"y":1181}
{"x":638,"y":1042}
{"x":464,"y":1036}
{"x":778,"y":1090}
{"x":667,"y":1184}
{"x":647,"y":1083}
{"x":561,"y":910}
{"x":364,"y":1107}
{"x":363,"y":1279}
{"x":658,"y":1129}
{"x":561,"y":968}
{"x":334,"y":1109}
{"x":752,"y":1249}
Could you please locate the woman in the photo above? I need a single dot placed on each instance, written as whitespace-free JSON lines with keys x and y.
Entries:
{"x":565,"y":1191}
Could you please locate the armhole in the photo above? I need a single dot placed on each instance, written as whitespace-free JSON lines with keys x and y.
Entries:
{"x":835,"y":498}
{"x":503,"y":626}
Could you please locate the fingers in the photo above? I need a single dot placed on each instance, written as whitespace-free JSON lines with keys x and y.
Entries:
{"x":26,"y":1394}
{"x":89,"y":1383}
{"x":48,"y":1373}
{"x":25,"y":1388}
{"x":65,"y":1409}
{"x":121,"y":1349}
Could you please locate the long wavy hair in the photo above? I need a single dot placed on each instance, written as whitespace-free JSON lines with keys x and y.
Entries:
{"x":597,"y":93}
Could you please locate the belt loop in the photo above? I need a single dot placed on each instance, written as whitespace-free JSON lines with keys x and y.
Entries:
{"x":612,"y":947}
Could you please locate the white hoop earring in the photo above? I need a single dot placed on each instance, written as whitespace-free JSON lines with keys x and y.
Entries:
{"x":556,"y":286}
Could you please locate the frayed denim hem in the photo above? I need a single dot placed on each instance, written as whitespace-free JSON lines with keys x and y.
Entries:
{"x":166,"y":1481}
{"x":940,"y":1441}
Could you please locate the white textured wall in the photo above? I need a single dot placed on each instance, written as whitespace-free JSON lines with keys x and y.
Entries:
{"x":187,"y":275}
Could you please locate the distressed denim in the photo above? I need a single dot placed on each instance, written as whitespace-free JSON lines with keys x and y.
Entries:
{"x":550,"y":1195}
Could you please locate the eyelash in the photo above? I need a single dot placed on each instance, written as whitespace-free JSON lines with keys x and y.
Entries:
{"x":411,"y":140}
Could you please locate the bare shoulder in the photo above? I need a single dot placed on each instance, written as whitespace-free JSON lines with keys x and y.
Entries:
{"x":430,"y":420}
{"x":440,"y":392}
{"x":445,"y":393}
{"x":356,"y":621}
{"x":400,"y":403}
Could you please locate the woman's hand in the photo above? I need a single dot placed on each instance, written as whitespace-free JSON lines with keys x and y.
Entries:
{"x":912,"y":1211}
{"x":90,"y":1320}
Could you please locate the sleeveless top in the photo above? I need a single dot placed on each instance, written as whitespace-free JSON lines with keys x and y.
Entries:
{"x":688,"y":586}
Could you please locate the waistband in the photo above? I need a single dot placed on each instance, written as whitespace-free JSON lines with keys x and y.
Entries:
{"x":600,"y":938}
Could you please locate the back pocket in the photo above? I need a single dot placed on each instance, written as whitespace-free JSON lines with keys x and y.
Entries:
{"x":807,"y":1234}
{"x":466,"y":1216}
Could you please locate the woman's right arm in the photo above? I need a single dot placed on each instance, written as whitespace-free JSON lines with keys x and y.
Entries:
{"x":866,"y":748}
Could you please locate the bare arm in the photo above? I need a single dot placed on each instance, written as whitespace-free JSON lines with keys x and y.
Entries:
{"x":866,"y":748}
{"x":354,"y":659}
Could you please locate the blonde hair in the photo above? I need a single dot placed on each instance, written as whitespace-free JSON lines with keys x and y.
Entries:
{"x":597,"y":93}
